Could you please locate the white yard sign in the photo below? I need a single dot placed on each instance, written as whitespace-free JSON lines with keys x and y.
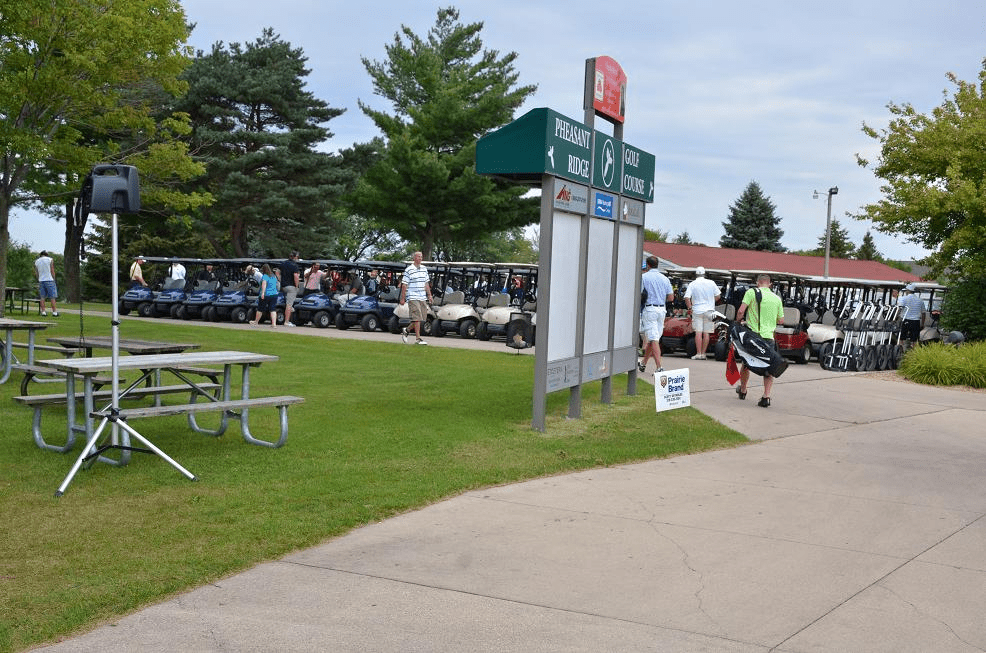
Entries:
{"x":671,"y":389}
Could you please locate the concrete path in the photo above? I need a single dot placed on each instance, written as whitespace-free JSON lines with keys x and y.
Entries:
{"x":855,"y":523}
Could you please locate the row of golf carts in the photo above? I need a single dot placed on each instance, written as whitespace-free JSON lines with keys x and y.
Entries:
{"x":846,"y":324}
{"x":471,"y":300}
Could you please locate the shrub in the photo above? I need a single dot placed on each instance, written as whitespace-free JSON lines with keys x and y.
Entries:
{"x":940,"y":364}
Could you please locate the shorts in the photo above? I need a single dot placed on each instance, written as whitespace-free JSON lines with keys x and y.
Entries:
{"x":290,"y":294}
{"x":911,"y":330}
{"x":703,"y":322}
{"x":652,"y":322}
{"x":47,"y":290}
{"x":267,"y":304}
{"x":417,"y":309}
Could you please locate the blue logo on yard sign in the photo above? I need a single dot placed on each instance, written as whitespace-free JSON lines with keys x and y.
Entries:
{"x":604,"y":206}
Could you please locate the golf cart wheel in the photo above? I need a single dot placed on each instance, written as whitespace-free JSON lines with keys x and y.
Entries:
{"x":182,"y":312}
{"x":238,"y":315}
{"x":145,"y":309}
{"x":122,"y":308}
{"x":825,"y":355}
{"x":436,"y":328}
{"x":210,"y":313}
{"x":394,"y":324}
{"x":370,"y":322}
{"x":467,"y":329}
{"x":721,"y":350}
{"x":483,"y":332}
{"x":857,"y":359}
{"x":279,"y":316}
{"x":341,"y":323}
{"x":425,"y":327}
{"x":690,"y":347}
{"x":321,"y":319}
{"x":173,"y":311}
{"x":804,"y":355}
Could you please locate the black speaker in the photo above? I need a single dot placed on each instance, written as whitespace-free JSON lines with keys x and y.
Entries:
{"x":115,"y":189}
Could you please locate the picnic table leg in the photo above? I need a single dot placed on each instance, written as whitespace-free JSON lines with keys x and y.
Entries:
{"x":245,"y":429}
{"x":226,"y":392}
{"x":8,"y":353}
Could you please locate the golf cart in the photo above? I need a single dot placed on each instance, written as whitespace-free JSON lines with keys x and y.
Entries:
{"x":520,"y":292}
{"x":320,"y":307}
{"x":467,"y":289}
{"x":371,"y":312}
{"x":238,"y":294}
{"x":204,"y":290}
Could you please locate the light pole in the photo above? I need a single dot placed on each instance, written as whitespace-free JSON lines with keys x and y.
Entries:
{"x":828,"y":226}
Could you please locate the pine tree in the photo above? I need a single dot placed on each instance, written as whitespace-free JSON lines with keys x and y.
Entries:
{"x":867,"y":251}
{"x":840,"y":245}
{"x":446,"y":92}
{"x":752,"y":224}
{"x":258,"y":129}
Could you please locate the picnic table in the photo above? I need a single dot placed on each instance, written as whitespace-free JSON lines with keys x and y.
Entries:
{"x":10,"y":325}
{"x":13,"y":298}
{"x":128,"y":345}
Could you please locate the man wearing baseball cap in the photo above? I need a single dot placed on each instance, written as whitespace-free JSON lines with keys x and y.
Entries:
{"x":913,"y":310}
{"x":136,"y":274}
{"x":701,"y":297}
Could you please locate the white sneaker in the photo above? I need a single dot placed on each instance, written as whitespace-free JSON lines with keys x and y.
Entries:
{"x":421,"y":342}
{"x":54,"y":314}
{"x":290,"y":324}
{"x":698,"y":357}
{"x":404,"y":335}
{"x":44,"y":313}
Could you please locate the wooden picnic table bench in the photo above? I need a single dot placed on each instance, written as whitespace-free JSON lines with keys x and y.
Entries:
{"x":230,"y":408}
{"x":40,"y":402}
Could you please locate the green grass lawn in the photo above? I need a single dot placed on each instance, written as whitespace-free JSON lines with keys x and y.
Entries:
{"x":385,"y":429}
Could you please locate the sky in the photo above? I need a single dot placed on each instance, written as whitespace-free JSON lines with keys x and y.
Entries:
{"x":722,"y":93}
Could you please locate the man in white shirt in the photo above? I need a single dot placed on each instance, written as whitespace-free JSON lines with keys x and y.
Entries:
{"x":177,"y":270}
{"x":416,"y":290}
{"x":44,"y":271}
{"x":700,"y":298}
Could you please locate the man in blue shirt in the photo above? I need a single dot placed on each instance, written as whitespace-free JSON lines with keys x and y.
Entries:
{"x":658,"y":292}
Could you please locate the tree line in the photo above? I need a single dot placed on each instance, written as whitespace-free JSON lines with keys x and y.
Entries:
{"x":228,"y":147}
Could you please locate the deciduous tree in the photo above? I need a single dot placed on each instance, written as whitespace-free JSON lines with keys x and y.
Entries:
{"x":73,"y":77}
{"x":934,"y":174}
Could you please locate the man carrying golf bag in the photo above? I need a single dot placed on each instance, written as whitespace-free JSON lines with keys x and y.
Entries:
{"x":755,"y":345}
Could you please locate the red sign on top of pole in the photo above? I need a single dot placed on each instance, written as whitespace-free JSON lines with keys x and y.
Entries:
{"x":609,"y":87}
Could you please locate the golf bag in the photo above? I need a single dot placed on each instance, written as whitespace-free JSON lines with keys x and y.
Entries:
{"x":755,"y":352}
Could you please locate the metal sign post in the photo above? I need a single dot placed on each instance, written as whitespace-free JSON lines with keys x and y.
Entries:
{"x":594,"y":188}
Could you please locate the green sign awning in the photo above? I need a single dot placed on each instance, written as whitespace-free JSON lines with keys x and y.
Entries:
{"x":543,"y":141}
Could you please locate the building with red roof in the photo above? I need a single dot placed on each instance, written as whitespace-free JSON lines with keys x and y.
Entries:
{"x":673,"y":255}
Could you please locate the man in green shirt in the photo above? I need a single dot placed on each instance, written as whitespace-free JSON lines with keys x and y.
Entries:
{"x":762,"y":316}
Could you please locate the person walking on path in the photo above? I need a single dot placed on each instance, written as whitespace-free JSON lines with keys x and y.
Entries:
{"x":700,"y":298}
{"x":290,"y":276}
{"x":659,"y":292}
{"x":763,"y":311}
{"x":416,"y":291}
{"x":44,"y":272}
{"x":267,"y":302}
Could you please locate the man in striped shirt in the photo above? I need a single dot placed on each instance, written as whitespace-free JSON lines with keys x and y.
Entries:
{"x":416,"y":290}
